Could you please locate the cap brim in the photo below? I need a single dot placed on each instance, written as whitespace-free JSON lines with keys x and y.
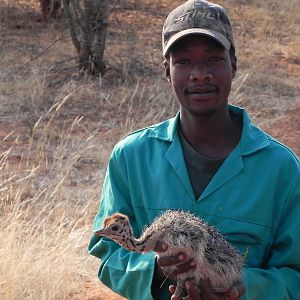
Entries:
{"x":208,"y":32}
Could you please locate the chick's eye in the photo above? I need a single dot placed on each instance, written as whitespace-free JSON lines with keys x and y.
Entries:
{"x":114,"y":228}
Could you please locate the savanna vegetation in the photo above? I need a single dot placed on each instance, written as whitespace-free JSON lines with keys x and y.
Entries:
{"x":57,"y":127}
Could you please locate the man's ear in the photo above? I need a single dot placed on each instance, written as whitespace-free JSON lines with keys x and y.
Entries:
{"x":167,"y":70}
{"x":234,"y":65}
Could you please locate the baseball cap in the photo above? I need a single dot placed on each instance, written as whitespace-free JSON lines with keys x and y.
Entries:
{"x":197,"y":17}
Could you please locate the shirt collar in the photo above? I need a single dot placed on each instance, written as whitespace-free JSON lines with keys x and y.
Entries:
{"x":252,"y":138}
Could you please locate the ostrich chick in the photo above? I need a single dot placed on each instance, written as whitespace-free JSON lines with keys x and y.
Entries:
{"x":216,"y":259}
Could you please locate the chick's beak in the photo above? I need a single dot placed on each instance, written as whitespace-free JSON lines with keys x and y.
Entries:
{"x":99,"y":232}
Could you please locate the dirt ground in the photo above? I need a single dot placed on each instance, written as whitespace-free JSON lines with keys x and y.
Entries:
{"x":287,"y":129}
{"x":93,"y":290}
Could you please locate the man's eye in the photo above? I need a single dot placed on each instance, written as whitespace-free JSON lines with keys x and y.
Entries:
{"x":183,"y":61}
{"x":216,"y":59}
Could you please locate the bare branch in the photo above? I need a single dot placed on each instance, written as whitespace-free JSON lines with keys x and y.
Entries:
{"x":46,"y":49}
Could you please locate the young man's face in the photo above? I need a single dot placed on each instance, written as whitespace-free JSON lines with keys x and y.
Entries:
{"x":200,"y":71}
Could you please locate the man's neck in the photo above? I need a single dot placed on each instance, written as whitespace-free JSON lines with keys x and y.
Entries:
{"x":209,"y":136}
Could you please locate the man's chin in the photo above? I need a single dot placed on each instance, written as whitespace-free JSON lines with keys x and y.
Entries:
{"x":205,"y":112}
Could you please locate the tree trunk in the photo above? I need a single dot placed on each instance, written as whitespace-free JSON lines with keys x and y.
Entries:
{"x":100,"y":27}
{"x":49,"y":8}
{"x":71,"y":24}
{"x":87,"y":25}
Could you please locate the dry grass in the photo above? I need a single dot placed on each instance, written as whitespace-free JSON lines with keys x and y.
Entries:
{"x":43,"y":228}
{"x":40,"y":249}
{"x":57,"y":129}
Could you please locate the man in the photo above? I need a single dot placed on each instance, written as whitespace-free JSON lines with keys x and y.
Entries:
{"x":210,"y":160}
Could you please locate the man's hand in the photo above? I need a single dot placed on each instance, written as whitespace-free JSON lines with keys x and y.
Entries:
{"x":233,"y":293}
{"x":184,"y":264}
{"x":181,"y":261}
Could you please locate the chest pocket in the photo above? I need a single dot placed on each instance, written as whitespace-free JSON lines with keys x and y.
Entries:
{"x":252,"y":240}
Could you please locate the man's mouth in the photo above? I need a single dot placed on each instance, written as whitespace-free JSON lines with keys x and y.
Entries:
{"x":201,"y":90}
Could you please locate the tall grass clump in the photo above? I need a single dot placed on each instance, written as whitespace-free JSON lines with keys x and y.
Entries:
{"x":40,"y":250}
{"x":43,"y":228}
{"x":48,"y":198}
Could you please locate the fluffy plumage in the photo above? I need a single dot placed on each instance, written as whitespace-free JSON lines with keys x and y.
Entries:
{"x":216,"y":259}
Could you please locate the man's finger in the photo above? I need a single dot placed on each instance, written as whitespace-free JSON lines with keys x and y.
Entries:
{"x":237,"y":290}
{"x":233,"y":293}
{"x":166,"y":261}
{"x":192,"y":292}
{"x":185,"y":267}
{"x":160,"y":246}
{"x":172,"y":288}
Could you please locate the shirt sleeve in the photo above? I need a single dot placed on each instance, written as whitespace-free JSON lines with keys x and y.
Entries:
{"x":280,"y":279}
{"x":126,"y":273}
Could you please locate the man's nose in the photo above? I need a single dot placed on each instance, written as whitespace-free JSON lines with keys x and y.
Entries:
{"x":200,"y":72}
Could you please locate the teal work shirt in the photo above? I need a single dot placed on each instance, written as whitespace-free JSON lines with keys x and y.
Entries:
{"x":253,"y":199}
